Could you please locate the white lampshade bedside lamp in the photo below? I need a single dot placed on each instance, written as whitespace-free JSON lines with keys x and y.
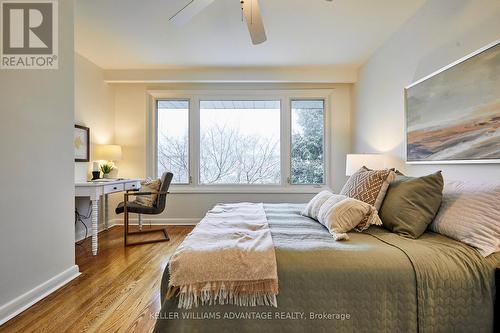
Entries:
{"x":109,"y":154}
{"x":372,"y":161}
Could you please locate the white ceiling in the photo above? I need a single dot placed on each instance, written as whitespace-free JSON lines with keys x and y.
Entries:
{"x":136,"y":34}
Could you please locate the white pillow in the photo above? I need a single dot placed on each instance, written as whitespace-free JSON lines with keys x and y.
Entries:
{"x":148,"y":185}
{"x":312,"y":208}
{"x":340,"y":214}
{"x":470,"y":213}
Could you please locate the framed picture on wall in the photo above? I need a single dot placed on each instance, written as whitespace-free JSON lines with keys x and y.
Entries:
{"x":81,"y":143}
{"x":453,"y":115}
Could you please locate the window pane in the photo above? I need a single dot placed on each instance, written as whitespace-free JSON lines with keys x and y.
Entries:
{"x":240,"y":142}
{"x":307,"y":142}
{"x":173,"y":139}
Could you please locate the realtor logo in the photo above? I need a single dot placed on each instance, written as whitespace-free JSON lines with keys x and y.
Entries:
{"x":29,"y":34}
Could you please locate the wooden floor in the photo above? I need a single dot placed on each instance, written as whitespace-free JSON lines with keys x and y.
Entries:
{"x":118,"y":290}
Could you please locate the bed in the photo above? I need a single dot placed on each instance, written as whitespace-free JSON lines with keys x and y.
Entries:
{"x":375,"y":282}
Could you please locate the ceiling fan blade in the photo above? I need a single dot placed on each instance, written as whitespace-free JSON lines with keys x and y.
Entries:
{"x":190,"y":10}
{"x":251,"y":11}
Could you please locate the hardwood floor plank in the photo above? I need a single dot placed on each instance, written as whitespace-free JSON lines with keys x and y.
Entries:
{"x":118,"y":291}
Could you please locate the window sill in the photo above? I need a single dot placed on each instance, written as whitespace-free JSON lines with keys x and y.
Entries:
{"x":253,"y":190}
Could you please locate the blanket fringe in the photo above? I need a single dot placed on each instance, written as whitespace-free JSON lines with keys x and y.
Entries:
{"x":190,"y":296}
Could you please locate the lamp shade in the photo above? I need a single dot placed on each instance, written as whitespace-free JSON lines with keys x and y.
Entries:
{"x":373,"y":161}
{"x":108,"y":152}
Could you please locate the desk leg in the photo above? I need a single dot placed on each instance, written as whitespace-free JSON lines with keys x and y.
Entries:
{"x":95,"y":220}
{"x":106,"y":211}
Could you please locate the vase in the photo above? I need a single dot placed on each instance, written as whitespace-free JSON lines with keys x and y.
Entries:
{"x":105,"y":175}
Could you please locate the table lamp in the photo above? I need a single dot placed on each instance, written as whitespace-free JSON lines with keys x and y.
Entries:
{"x":109,"y":154}
{"x":372,"y":161}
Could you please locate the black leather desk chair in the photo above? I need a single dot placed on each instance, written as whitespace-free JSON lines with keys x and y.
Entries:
{"x":158,"y":207}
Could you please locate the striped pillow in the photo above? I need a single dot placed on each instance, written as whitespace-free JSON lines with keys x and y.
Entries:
{"x":313,"y":207}
{"x":340,"y":214}
{"x":470,"y":213}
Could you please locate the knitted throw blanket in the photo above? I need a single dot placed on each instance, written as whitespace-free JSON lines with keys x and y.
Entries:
{"x":228,"y":258}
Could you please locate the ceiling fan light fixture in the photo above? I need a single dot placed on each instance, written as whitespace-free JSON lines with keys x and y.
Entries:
{"x":251,"y":12}
{"x":190,"y":10}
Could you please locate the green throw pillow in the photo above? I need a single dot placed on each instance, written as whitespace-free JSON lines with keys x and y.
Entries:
{"x":411,"y":204}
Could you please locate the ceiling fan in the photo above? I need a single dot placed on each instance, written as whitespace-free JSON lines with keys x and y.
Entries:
{"x":249,"y":8}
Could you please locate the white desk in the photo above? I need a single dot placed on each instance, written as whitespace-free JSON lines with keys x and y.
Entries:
{"x":94,"y":191}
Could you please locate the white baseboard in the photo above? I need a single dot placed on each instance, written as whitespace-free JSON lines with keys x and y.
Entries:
{"x":159,"y":221}
{"x":21,"y":303}
{"x":145,"y":221}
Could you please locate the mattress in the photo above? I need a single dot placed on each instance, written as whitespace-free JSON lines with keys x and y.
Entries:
{"x":375,"y":282}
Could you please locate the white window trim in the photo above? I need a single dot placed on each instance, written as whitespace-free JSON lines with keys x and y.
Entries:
{"x":194,"y":97}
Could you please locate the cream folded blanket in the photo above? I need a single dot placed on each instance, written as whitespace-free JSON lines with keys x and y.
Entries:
{"x":228,"y":258}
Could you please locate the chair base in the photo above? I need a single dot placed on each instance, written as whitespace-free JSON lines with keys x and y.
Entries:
{"x":127,"y":233}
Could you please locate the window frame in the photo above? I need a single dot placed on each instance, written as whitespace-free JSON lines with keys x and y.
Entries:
{"x":195,"y":96}
{"x":325,"y":182}
{"x":189,"y":181}
{"x":225,"y":185}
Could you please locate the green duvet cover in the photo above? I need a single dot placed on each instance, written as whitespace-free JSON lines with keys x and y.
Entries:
{"x":375,"y":282}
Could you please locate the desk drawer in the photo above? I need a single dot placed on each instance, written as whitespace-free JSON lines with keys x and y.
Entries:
{"x":113,"y":188}
{"x":132,"y":186}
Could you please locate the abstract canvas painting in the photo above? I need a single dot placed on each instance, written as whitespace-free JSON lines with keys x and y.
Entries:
{"x":453,"y":116}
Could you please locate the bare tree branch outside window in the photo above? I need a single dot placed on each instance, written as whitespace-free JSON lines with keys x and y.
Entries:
{"x":229,"y":155}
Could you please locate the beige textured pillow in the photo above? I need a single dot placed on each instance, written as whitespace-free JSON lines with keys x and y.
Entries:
{"x":470,"y":213}
{"x":340,"y":214}
{"x":369,"y":186}
{"x":148,"y":185}
{"x":312,"y":208}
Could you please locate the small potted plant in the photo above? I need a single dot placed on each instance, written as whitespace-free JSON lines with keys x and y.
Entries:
{"x":106,"y":168}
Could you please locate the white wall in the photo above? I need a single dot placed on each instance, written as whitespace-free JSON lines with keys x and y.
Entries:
{"x":36,"y":145}
{"x":441,"y":32}
{"x":131,"y":111}
{"x":94,"y":108}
